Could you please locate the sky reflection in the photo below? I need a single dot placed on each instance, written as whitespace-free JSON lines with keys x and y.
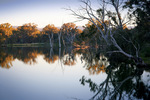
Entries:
{"x":45,"y":81}
{"x":43,"y":73}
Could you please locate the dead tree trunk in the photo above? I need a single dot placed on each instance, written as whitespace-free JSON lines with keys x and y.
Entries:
{"x":59,"y":38}
{"x":51,"y":39}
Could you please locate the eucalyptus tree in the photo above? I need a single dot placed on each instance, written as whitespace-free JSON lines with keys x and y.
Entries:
{"x":27,"y":32}
{"x":50,"y":30}
{"x":69,"y":31}
{"x":140,"y":10}
{"x":115,"y":25}
{"x":5,"y":31}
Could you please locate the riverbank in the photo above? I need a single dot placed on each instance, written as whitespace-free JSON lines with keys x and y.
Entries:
{"x":25,"y":45}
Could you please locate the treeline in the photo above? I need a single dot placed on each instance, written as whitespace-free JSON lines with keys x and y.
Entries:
{"x":29,"y":33}
{"x":70,"y":34}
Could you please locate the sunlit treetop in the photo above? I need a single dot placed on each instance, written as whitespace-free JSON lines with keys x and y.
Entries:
{"x":50,"y":28}
{"x":6,"y":29}
{"x":30,"y":29}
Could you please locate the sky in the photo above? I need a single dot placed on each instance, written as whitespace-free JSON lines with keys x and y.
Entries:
{"x":40,"y":12}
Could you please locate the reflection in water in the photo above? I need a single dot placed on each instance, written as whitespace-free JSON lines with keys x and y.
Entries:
{"x":29,"y":55}
{"x":69,"y":60}
{"x":95,"y":64}
{"x":122,"y":83}
{"x":31,"y":58}
{"x":6,"y":62}
{"x":123,"y":80}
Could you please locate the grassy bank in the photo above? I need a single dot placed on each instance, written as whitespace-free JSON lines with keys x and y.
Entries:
{"x":25,"y":45}
{"x":30,"y":45}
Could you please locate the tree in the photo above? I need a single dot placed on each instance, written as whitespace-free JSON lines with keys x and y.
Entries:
{"x":109,"y":31}
{"x":5,"y":31}
{"x":14,"y":38}
{"x":50,"y":30}
{"x":140,"y":10}
{"x":1,"y":38}
{"x":27,"y":32}
{"x":69,"y":31}
{"x":90,"y":32}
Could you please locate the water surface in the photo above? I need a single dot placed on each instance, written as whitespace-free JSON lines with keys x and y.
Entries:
{"x":65,"y":74}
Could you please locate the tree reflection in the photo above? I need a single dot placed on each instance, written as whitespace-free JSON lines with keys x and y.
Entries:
{"x":31,"y":58}
{"x":69,"y":60}
{"x":69,"y":57}
{"x":50,"y":57}
{"x":6,"y":62}
{"x":123,"y":82}
{"x":26,"y":55}
{"x":95,"y":62}
{"x":29,"y":55}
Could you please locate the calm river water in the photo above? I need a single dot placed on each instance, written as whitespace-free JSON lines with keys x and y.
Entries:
{"x":34,"y":73}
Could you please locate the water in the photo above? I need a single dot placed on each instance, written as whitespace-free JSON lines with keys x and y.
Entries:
{"x":64,"y":74}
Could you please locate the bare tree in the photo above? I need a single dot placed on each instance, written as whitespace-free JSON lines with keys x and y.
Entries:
{"x":114,"y":24}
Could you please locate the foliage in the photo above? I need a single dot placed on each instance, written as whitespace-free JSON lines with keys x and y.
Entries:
{"x":5,"y":31}
{"x":69,"y":32}
{"x":50,"y":29}
{"x":140,"y":9}
{"x":27,"y":32}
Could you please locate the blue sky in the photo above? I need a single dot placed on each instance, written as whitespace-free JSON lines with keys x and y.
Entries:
{"x":41,"y":12}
